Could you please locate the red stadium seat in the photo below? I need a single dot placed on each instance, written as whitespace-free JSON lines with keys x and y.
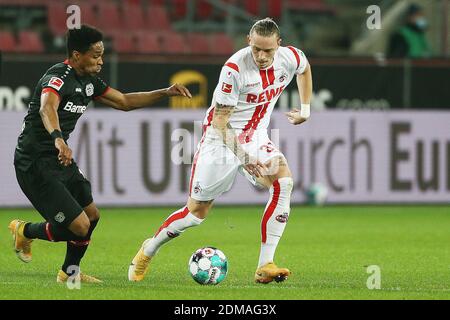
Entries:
{"x":123,"y":43}
{"x":110,"y":19}
{"x":203,"y":9}
{"x":178,"y":9}
{"x":157,"y":18}
{"x":56,"y":17}
{"x":133,"y":17}
{"x":309,"y":6}
{"x":253,"y":7}
{"x":88,"y":14}
{"x":7,"y":42}
{"x":30,"y":41}
{"x":221,"y":44}
{"x":198,"y":43}
{"x":173,"y":43}
{"x":275,"y":8}
{"x":149,"y":43}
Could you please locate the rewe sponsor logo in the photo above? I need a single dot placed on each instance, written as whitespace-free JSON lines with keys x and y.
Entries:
{"x":74,"y":108}
{"x":265,"y":96}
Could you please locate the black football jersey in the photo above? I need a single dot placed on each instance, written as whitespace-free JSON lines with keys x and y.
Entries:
{"x":75,"y":93}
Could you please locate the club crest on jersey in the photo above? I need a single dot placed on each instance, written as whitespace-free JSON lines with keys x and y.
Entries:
{"x":89,"y":89}
{"x":55,"y":83}
{"x":60,"y":217}
{"x":226,"y":88}
{"x":197,"y":188}
{"x":282,"y":77}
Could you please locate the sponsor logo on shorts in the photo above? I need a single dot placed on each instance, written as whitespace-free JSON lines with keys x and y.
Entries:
{"x":282,"y":218}
{"x":60,"y":217}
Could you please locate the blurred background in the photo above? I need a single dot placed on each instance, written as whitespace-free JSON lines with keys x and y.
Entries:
{"x":389,"y":68}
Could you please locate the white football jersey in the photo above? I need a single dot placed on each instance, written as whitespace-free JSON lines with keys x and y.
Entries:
{"x":253,"y":92}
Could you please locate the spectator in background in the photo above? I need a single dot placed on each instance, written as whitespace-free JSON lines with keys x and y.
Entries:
{"x":410,"y":41}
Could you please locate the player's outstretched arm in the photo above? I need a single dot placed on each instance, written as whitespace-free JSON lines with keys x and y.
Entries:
{"x":220,"y":123}
{"x":304,"y":85}
{"x":49,"y":115}
{"x":136,"y":100}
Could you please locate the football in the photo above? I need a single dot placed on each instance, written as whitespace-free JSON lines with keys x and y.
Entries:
{"x":208,"y":266}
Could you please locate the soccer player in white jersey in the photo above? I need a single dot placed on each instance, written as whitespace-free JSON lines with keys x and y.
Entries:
{"x":235,"y":140}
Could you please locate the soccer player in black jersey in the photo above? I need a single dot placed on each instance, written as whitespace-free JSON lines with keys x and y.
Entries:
{"x":45,"y":170}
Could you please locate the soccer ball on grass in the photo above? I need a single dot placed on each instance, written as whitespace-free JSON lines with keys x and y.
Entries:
{"x":208,"y":265}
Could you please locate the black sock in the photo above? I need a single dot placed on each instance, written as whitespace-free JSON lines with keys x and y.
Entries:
{"x":48,"y":232}
{"x":76,"y":250}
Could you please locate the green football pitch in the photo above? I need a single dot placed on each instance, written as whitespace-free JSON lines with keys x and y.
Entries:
{"x":328,"y":249}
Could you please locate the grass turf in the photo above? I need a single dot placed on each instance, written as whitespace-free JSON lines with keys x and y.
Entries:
{"x":328,"y":250}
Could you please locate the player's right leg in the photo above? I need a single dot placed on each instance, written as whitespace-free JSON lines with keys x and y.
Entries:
{"x":213,"y":172}
{"x":189,"y":216}
{"x":65,"y":219}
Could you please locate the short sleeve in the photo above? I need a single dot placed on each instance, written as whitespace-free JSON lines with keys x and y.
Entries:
{"x":227,"y":90}
{"x":100,"y":87}
{"x":299,"y":60}
{"x":54,"y":83}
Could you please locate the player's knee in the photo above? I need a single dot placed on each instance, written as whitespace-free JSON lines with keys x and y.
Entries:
{"x":81,"y":227}
{"x":200,"y":212}
{"x":95,"y":215}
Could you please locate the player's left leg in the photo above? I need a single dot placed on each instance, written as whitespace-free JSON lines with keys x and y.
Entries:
{"x":80,"y":188}
{"x":76,"y":249}
{"x":274,"y":221}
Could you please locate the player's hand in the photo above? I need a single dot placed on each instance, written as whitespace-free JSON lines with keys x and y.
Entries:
{"x":65,"y":153}
{"x":254,"y":166}
{"x":178,"y":90}
{"x":294,"y":117}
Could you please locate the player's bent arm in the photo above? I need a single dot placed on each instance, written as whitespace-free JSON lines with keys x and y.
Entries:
{"x":49,"y":111}
{"x":137,"y":100}
{"x":49,"y":115}
{"x":304,"y":85}
{"x":220,"y":123}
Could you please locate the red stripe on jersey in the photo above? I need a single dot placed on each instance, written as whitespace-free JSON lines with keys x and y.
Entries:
{"x":232,"y":66}
{"x":265,"y":81}
{"x":249,"y":129}
{"x":297,"y":57}
{"x":177,"y":216}
{"x":209,"y":119}
{"x":194,"y":164}
{"x":45,"y":90}
{"x":270,"y":209}
{"x":271,"y":75}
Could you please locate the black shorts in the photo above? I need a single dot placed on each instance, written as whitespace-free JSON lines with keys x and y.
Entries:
{"x":59,"y":193}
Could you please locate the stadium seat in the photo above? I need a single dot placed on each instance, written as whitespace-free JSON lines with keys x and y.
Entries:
{"x":275,"y":8}
{"x":198,"y":43}
{"x":30,"y":41}
{"x":148,"y":42}
{"x":7,"y":42}
{"x":203,"y":9}
{"x":312,"y":6}
{"x":253,"y":7}
{"x":88,"y":14}
{"x":56,"y":17}
{"x":110,"y":19}
{"x":173,"y":43}
{"x":178,"y":9}
{"x":123,"y":43}
{"x":133,"y":16}
{"x":221,"y":44}
{"x":157,"y":18}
